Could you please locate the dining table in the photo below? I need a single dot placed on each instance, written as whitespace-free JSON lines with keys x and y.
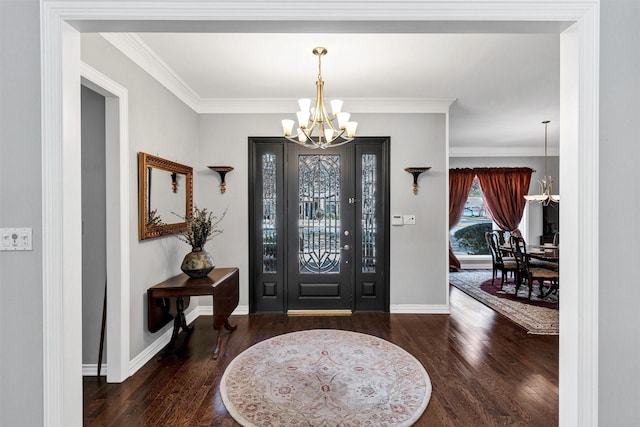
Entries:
{"x":544,"y":252}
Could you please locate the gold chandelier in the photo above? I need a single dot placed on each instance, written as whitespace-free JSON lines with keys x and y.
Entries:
{"x":546,"y":195}
{"x":316,"y":128}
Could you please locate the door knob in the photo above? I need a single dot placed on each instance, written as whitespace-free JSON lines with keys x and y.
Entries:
{"x":346,"y":247}
{"x":346,"y":232}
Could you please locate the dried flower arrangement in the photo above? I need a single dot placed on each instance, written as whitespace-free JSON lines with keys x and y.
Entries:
{"x":154,"y":219}
{"x":202,"y":226}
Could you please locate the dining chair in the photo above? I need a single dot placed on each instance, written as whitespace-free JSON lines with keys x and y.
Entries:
{"x":527,"y":274}
{"x":500,"y":262}
{"x":540,"y":263}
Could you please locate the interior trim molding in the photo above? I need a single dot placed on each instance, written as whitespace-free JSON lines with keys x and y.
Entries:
{"x":501,"y":152}
{"x":118,"y":214}
{"x":207,"y":310}
{"x":62,"y":392}
{"x":356,"y":105}
{"x":91,"y":369}
{"x":478,"y":262}
{"x":52,"y":241}
{"x":159,"y":343}
{"x":141,"y":54}
{"x":419,"y":309}
{"x":146,"y":58}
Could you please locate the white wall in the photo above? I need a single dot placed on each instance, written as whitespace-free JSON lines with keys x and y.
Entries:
{"x":418,"y":257}
{"x":161,"y":125}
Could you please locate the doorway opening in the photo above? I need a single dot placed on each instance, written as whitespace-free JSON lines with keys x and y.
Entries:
{"x":117,"y":214}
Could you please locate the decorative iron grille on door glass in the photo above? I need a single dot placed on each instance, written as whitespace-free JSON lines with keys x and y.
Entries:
{"x":269,"y":250}
{"x":368,"y":213}
{"x":319,"y":213}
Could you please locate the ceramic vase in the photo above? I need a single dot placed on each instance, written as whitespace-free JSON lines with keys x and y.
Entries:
{"x":197,"y":263}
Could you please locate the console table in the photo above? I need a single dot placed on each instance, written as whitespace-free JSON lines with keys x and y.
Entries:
{"x":221,"y":283}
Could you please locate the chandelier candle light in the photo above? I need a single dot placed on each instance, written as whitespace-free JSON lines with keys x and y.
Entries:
{"x":546,"y":183}
{"x":316,"y":128}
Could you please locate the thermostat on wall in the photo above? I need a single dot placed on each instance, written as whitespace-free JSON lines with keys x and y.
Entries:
{"x":396,"y":220}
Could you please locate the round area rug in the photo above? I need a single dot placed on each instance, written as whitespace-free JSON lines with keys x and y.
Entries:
{"x":325,"y":377}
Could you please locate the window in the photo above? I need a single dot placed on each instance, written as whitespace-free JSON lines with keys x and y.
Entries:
{"x":467,"y":237}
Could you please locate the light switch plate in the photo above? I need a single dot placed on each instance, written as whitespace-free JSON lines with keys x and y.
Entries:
{"x":409,"y":219}
{"x":396,"y":220}
{"x":16,"y":239}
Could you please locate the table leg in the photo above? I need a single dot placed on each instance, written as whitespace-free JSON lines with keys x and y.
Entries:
{"x":225,"y":300}
{"x":180,"y":322}
{"x":228,"y":327}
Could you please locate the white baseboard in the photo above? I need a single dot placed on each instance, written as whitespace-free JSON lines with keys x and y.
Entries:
{"x":206,"y":310}
{"x":91,"y":369}
{"x":241,"y":310}
{"x":419,"y":309}
{"x":155,"y":347}
{"x":476,"y":264}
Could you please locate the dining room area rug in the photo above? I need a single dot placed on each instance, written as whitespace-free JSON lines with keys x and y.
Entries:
{"x":538,"y":316}
{"x":325,"y":377}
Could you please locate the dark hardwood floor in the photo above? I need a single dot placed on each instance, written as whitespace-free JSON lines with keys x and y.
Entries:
{"x":485,"y":370}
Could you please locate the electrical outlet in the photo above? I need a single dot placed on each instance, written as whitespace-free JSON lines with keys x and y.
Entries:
{"x":409,"y":219}
{"x":16,"y":239}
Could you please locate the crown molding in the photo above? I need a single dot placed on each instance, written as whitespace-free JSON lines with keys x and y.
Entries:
{"x":302,"y":11}
{"x":141,"y":54}
{"x":500,"y":151}
{"x":360,"y":105}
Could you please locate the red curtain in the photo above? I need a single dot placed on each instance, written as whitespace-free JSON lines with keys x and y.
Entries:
{"x":504,"y":190}
{"x":460,"y":181}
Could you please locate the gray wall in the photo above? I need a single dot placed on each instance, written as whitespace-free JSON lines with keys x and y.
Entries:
{"x":222,"y":139}
{"x":161,"y":125}
{"x":94,"y":219}
{"x":20,"y":205}
{"x":416,"y":140}
{"x":535,"y":163}
{"x":619,"y":345}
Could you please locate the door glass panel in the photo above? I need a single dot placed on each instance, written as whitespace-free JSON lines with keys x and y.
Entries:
{"x":319,"y":213}
{"x":368,"y":213}
{"x":269,"y":252}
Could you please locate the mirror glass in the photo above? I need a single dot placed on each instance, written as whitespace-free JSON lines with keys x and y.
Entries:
{"x":165,"y":192}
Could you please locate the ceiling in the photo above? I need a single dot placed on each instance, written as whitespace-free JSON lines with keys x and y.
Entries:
{"x":502,"y":85}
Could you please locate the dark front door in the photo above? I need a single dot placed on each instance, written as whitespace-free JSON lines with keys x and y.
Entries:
{"x":318,"y":226}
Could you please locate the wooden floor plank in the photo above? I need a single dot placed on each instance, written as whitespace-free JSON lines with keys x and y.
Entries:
{"x":485,"y":370}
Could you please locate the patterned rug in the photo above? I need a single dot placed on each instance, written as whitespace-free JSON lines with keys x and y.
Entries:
{"x":325,"y":377}
{"x":539,"y":316}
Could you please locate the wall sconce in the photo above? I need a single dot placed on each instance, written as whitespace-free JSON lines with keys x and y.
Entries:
{"x":222,"y":171}
{"x":416,"y":171}
{"x":174,"y":182}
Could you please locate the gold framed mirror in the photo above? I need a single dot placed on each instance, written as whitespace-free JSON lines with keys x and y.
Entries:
{"x":165,"y":196}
